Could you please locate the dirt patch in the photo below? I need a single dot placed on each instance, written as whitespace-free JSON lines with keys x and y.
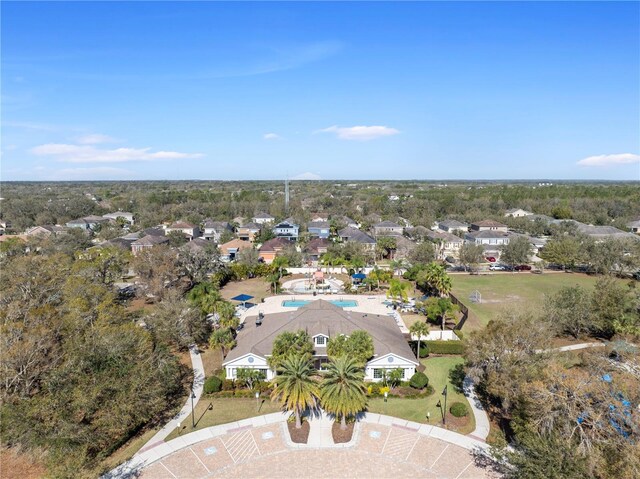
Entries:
{"x":457,"y":423}
{"x":342,"y":435}
{"x":256,"y":287}
{"x":16,"y":465}
{"x":299,"y":436}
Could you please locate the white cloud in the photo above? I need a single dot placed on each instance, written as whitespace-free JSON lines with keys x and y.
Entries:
{"x":94,"y":139}
{"x":271,"y":136}
{"x":360,"y":133}
{"x":610,"y":160}
{"x":90,"y":154}
{"x":306,"y":176}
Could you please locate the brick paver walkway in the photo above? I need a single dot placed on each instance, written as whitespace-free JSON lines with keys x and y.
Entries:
{"x":377,"y":450}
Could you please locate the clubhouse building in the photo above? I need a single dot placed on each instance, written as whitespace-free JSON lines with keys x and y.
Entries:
{"x":322,"y":321}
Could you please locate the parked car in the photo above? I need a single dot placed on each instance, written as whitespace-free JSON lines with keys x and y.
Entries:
{"x":490,"y":259}
{"x":497,"y":267}
{"x":523,"y":267}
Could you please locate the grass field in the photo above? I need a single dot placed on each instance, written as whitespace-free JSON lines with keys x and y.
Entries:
{"x":503,"y":290}
{"x":256,"y":287}
{"x":437,"y":370}
{"x":223,"y":410}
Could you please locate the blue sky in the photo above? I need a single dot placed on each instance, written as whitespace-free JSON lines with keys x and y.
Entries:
{"x":211,"y":90}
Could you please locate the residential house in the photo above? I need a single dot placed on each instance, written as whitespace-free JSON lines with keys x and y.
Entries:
{"x":490,"y":237}
{"x":45,"y":230}
{"x":128,"y":217}
{"x":322,"y":321}
{"x":355,"y":235}
{"x":387,"y":228}
{"x":270,"y":249}
{"x":213,"y":230}
{"x":157,"y":231}
{"x":451,"y":226}
{"x":600,"y":233}
{"x":446,"y":244}
{"x":229,"y":250}
{"x":147,"y":242}
{"x":122,"y":243}
{"x":262,"y":218}
{"x":517,"y":213}
{"x":88,"y":222}
{"x":488,"y":225}
{"x":316,"y":248}
{"x":249,"y":231}
{"x":189,"y":230}
{"x":287,"y":229}
{"x":319,"y":229}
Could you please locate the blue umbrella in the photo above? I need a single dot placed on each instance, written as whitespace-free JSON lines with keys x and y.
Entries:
{"x":359,"y":276}
{"x":243,"y":298}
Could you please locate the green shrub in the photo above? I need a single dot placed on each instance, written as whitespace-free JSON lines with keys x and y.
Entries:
{"x":419,"y":380}
{"x":458,"y":409}
{"x":424,"y":351}
{"x":374,"y":389}
{"x":228,"y":385}
{"x":445,"y":347}
{"x":458,"y":333}
{"x":213,"y":384}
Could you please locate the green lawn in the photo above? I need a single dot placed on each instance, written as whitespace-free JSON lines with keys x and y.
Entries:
{"x":502,"y":290}
{"x":437,"y":370}
{"x":223,"y":410}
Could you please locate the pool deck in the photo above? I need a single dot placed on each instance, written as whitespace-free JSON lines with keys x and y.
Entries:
{"x":370,"y":304}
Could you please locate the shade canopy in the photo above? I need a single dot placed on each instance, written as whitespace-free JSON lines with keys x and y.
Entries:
{"x":359,"y":276}
{"x":242,"y":298}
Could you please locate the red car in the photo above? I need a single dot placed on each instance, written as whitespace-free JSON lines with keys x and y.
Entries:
{"x":490,"y":259}
{"x":523,"y":267}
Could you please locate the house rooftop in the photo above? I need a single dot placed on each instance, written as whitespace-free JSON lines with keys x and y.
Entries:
{"x":150,"y":240}
{"x":489,"y":223}
{"x":387,"y":224}
{"x":275,"y":244}
{"x":354,"y":234}
{"x":321,"y":317}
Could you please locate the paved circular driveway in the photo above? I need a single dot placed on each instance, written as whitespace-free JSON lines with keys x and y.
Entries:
{"x":380,"y":451}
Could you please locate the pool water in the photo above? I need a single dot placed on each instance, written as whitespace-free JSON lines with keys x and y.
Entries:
{"x":348,"y":303}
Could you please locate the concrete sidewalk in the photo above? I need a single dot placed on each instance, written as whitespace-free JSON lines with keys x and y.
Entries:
{"x":320,"y":434}
{"x":185,"y":412}
{"x":482,"y":420}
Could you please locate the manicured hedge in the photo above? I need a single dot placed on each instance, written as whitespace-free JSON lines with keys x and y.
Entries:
{"x":212,"y":385}
{"x":445,"y":347}
{"x":458,"y":409}
{"x":419,"y":380}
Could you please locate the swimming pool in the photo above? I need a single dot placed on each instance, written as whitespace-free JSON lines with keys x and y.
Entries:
{"x":347,"y":303}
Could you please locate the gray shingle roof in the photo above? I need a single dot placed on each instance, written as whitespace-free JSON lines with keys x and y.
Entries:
{"x":354,"y":234}
{"x":321,"y":317}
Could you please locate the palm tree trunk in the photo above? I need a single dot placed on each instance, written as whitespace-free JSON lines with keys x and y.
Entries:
{"x":343,"y":422}
{"x":298,"y":422}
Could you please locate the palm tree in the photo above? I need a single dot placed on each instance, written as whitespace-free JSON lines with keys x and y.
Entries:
{"x":342,"y":391}
{"x":294,"y":387}
{"x":437,"y":278}
{"x":419,"y":329}
{"x":207,"y":297}
{"x":222,"y":339}
{"x":398,"y":289}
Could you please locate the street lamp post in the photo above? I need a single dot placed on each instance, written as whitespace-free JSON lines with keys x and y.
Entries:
{"x":444,"y":415}
{"x":257,"y":401}
{"x":193,"y":417}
